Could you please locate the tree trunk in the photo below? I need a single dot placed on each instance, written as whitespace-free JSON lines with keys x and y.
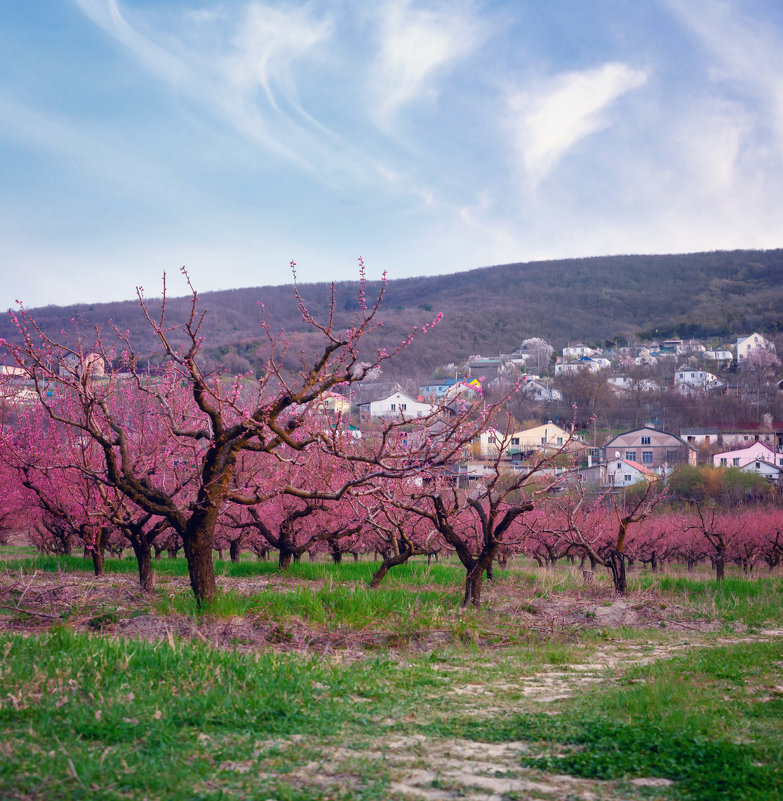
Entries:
{"x":285,"y":558}
{"x":720,"y":565}
{"x":356,"y":556}
{"x":337,"y":554}
{"x":143,"y":554}
{"x":616,"y":564}
{"x":220,"y":554}
{"x":473,"y":578}
{"x":197,"y":544}
{"x":234,"y":549}
{"x":99,"y":551}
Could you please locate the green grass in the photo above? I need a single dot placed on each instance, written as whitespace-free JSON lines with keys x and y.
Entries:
{"x":754,"y":602}
{"x":86,"y":717}
{"x":712,"y":722}
{"x":414,"y":573}
{"x":333,"y":605}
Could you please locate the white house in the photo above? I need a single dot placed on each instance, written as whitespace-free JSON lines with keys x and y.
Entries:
{"x":625,"y":473}
{"x":689,"y":379}
{"x":623,"y":383}
{"x":537,"y":391}
{"x":578,"y":351}
{"x":720,"y":357}
{"x":740,"y":457}
{"x":591,"y":364}
{"x":397,"y":404}
{"x":772,"y":472}
{"x":746,"y":345}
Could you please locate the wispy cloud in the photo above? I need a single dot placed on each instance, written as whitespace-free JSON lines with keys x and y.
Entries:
{"x":548,"y":123}
{"x":745,"y":50}
{"x":416,"y":45}
{"x":269,"y":43}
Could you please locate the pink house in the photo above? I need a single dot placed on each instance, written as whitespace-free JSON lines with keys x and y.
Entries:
{"x":758,"y":451}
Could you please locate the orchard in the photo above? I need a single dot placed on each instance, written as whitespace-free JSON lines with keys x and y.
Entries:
{"x":386,"y":624}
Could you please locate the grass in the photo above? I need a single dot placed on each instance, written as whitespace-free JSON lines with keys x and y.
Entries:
{"x":712,"y":722}
{"x":88,"y":717}
{"x":415,"y":573}
{"x":84,"y":716}
{"x":332,"y":605}
{"x":754,"y":602}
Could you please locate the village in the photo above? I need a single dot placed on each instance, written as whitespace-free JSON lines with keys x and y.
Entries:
{"x":549,"y":389}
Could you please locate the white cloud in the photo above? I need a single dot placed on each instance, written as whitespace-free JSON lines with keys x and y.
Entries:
{"x":550,"y":122}
{"x":415,"y":46}
{"x":268,"y":44}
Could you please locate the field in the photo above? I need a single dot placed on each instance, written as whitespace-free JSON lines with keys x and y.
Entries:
{"x":307,"y":685}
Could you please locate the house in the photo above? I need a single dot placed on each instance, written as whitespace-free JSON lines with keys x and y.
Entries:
{"x":335,"y":403}
{"x":720,"y":357}
{"x":545,"y":437}
{"x":448,"y":387}
{"x":741,"y":457}
{"x":364,"y":392}
{"x":651,"y":448}
{"x":689,"y":379}
{"x":398,"y":404}
{"x":507,"y":363}
{"x":746,"y":345}
{"x":626,"y":473}
{"x":622,"y":383}
{"x":488,"y":443}
{"x":742,"y":436}
{"x":591,"y":364}
{"x":700,"y":436}
{"x":578,"y":351}
{"x":772,"y":472}
{"x":540,"y":392}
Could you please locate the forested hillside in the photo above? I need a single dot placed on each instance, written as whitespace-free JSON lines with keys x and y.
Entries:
{"x":487,"y":310}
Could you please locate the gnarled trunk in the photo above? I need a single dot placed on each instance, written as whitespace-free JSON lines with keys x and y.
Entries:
{"x":720,"y":565}
{"x":99,"y":551}
{"x":197,"y":544}
{"x":143,"y":553}
{"x":234,"y":550}
{"x":616,"y":564}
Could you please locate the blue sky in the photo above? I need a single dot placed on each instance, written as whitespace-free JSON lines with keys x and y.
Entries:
{"x":425,"y":137}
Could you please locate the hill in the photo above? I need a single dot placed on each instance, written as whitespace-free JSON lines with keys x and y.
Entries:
{"x":487,"y":310}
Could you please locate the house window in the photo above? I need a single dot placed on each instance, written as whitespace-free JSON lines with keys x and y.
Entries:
{"x":559,"y":440}
{"x":403,"y":407}
{"x":627,"y":478}
{"x":515,"y":440}
{"x":630,"y":456}
{"x":543,"y":440}
{"x":671,"y":456}
{"x":647,"y":457}
{"x":394,"y":407}
{"x":645,"y":440}
{"x":735,"y":461}
{"x":723,"y":462}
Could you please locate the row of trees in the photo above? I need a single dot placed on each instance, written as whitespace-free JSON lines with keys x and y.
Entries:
{"x":111,"y":456}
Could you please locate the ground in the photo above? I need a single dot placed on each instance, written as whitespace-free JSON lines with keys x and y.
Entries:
{"x":308,"y":686}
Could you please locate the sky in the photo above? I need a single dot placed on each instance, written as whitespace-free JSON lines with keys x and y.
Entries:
{"x":426,"y":137}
